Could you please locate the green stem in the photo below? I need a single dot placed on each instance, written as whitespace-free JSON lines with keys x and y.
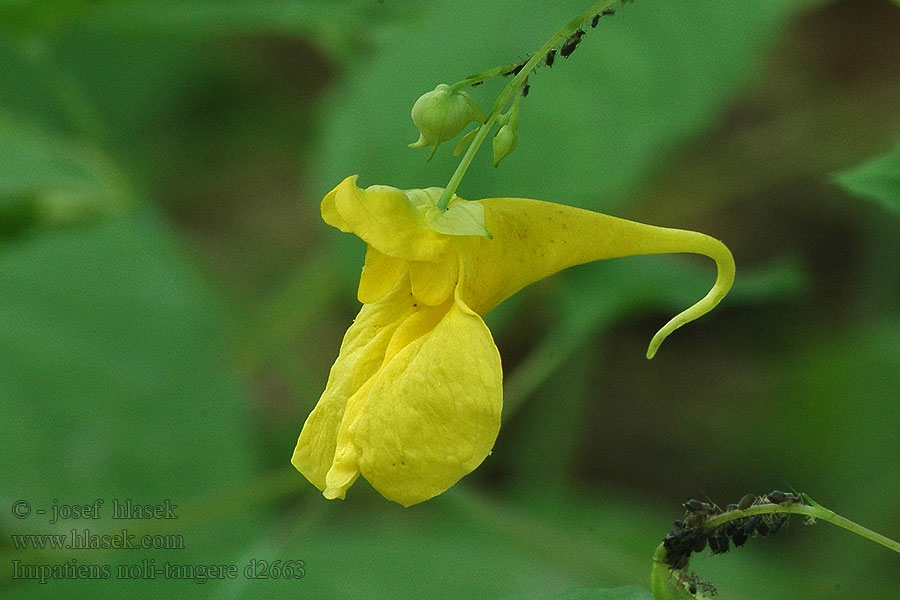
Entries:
{"x":512,"y":88}
{"x":813,"y":510}
{"x":491,"y":73}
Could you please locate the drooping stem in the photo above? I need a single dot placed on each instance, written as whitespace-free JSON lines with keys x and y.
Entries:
{"x":812,"y":509}
{"x":512,"y":88}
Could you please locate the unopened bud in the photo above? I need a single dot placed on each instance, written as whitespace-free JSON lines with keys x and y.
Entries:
{"x":441,"y":114}
{"x":505,"y":142}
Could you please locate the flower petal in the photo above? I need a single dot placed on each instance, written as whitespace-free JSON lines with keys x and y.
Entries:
{"x":432,"y":283}
{"x":345,"y":464}
{"x":383,"y":217}
{"x":379,"y":276}
{"x":362,"y":354}
{"x":433,"y":412}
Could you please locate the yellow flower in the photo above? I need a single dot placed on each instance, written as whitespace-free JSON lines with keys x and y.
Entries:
{"x":413,"y":400}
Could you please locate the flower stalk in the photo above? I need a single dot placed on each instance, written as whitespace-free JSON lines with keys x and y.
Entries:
{"x":509,"y":91}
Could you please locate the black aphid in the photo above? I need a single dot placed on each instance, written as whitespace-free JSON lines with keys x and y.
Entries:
{"x":739,"y":538}
{"x":777,"y":524}
{"x":571,"y":42}
{"x":695,"y":506}
{"x":750,"y":526}
{"x":679,"y":544}
{"x":721,"y":542}
{"x":700,"y":540}
{"x":551,"y":54}
{"x":698,"y":511}
{"x":778,"y":497}
{"x":515,"y":70}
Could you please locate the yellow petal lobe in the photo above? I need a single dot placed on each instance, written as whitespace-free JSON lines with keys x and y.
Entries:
{"x":384,"y":218}
{"x":379,"y":276}
{"x":361,"y":355}
{"x":432,"y":283}
{"x":433,"y":413}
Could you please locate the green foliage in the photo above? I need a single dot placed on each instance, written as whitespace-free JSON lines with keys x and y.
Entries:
{"x":117,"y":375}
{"x":50,"y":178}
{"x":877,"y":180}
{"x":170,"y":301}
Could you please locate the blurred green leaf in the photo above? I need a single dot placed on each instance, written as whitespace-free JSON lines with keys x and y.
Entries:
{"x":336,"y":27}
{"x":27,"y":16}
{"x":474,"y":548}
{"x":63,"y":178}
{"x":117,"y":348}
{"x":878,"y":180}
{"x":114,"y":384}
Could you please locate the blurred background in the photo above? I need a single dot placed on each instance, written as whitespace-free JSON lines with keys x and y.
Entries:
{"x":171,"y":302}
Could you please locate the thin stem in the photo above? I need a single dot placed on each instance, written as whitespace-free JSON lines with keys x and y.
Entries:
{"x":815,"y":511}
{"x":491,"y":73}
{"x":513,"y":88}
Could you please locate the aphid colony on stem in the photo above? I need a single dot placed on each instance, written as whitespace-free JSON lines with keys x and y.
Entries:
{"x":506,"y":137}
{"x":705,"y":524}
{"x":565,"y":50}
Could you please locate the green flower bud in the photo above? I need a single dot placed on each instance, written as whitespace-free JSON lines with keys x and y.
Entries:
{"x":441,"y":114}
{"x":505,"y":142}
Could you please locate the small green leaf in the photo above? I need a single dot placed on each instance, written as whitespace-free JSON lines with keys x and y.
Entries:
{"x":54,"y":178}
{"x":465,"y":141}
{"x":463,"y":218}
{"x":877,"y":179}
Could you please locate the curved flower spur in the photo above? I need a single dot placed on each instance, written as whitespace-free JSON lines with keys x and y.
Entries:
{"x":413,"y":401}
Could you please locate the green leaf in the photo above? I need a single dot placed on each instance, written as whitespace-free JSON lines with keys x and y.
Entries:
{"x":119,"y":355}
{"x":462,"y":532}
{"x":115,"y":385}
{"x":335,"y":27}
{"x":59,"y":178}
{"x":878,"y":180}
